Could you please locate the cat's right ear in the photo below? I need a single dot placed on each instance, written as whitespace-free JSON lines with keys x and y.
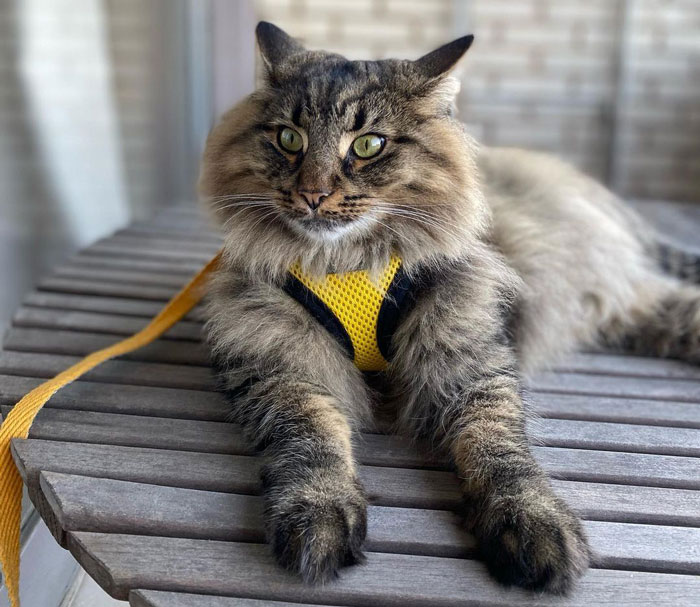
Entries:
{"x":275,"y":45}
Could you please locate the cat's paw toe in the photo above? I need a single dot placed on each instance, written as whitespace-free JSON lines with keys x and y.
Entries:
{"x":535,"y":542}
{"x":316,"y":530}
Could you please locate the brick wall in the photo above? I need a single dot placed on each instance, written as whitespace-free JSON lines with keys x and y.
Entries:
{"x":612,"y":85}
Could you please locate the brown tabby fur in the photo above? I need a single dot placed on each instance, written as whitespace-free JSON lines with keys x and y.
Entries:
{"x":519,"y":258}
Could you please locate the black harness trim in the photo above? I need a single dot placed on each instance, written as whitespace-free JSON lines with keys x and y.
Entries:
{"x":400,"y":296}
{"x":320,"y":311}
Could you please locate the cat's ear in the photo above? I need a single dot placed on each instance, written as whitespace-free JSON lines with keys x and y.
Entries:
{"x":275,"y":44}
{"x":442,"y":60}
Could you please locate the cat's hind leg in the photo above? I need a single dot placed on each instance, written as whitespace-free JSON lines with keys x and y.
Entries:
{"x":662,"y":320}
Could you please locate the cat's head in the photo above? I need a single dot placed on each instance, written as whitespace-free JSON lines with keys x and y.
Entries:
{"x":338,"y":163}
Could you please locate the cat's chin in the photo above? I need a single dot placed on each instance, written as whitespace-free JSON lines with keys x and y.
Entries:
{"x":323,"y":230}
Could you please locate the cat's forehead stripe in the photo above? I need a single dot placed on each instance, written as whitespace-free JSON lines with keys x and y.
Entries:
{"x":296,"y":114}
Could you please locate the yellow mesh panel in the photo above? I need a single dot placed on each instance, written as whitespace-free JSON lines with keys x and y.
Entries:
{"x":355,"y":300}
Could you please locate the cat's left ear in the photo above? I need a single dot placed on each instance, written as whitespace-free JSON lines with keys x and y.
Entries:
{"x":442,"y":60}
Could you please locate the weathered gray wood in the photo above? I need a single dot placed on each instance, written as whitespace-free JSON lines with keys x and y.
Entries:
{"x":146,"y":252}
{"x":114,"y":371}
{"x":153,"y":598}
{"x":587,"y":364}
{"x":121,"y":563}
{"x":114,"y":324}
{"x":620,"y":468}
{"x":152,"y":432}
{"x":614,"y":409}
{"x":125,"y":325}
{"x":637,"y":387}
{"x":109,"y":289}
{"x":645,"y":547}
{"x":400,"y":487}
{"x":561,"y":406}
{"x":131,"y":276}
{"x":621,"y":365}
{"x":626,"y":429}
{"x":108,"y":506}
{"x":111,"y":398}
{"x":77,"y":343}
{"x":156,"y":243}
{"x":182,"y":269}
{"x":372,"y":449}
{"x":565,"y":433}
{"x":109,"y":305}
{"x":616,"y":437}
{"x":197,"y":234}
{"x":195,"y":225}
{"x":88,"y":504}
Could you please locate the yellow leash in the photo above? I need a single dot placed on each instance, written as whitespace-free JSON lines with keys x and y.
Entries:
{"x":20,"y":418}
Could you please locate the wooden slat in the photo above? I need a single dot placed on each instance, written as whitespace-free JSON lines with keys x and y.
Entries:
{"x":616,"y":437}
{"x":627,"y":365}
{"x":108,"y":289}
{"x":196,"y":225}
{"x":372,"y":449}
{"x":154,"y":243}
{"x":111,"y":398}
{"x":77,"y":343}
{"x":400,"y":487}
{"x":131,"y":276}
{"x":122,"y":562}
{"x":153,"y":598}
{"x":614,"y":409}
{"x":620,"y":468}
{"x":196,"y":234}
{"x":114,"y":324}
{"x":110,"y":305}
{"x":146,"y":252}
{"x":108,"y":506}
{"x":114,"y":371}
{"x":99,"y":505}
{"x":644,"y":547}
{"x":637,"y":387}
{"x":182,"y":269}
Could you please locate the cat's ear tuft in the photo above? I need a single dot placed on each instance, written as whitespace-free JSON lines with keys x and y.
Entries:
{"x":275,"y":44}
{"x":442,"y":60}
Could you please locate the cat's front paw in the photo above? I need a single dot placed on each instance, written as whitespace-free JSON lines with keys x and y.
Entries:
{"x":533,"y":540}
{"x":317,"y":525}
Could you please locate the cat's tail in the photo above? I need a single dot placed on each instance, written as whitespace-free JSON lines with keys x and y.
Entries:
{"x":678,"y":262}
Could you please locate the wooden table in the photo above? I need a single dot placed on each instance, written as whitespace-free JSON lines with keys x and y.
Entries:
{"x":137,"y":473}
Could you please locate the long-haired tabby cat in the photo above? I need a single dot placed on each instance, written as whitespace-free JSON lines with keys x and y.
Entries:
{"x":508,"y":258}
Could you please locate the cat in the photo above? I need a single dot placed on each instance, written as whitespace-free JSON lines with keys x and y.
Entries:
{"x":511,"y":258}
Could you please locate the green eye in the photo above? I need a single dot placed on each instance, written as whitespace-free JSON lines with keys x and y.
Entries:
{"x":367,"y":146}
{"x":290,"y":140}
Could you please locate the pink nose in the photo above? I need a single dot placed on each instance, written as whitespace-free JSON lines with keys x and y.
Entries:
{"x":314,"y":198}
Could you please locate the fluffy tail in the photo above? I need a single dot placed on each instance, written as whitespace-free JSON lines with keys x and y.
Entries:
{"x":679,"y":262}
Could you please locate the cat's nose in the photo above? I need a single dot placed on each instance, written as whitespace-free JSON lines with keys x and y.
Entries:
{"x":314,"y":198}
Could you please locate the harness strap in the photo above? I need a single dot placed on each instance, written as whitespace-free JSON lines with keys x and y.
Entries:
{"x":20,"y":418}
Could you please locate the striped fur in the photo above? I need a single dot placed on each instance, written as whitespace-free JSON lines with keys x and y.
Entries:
{"x":517,"y":258}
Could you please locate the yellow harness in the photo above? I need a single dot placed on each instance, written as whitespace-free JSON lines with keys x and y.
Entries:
{"x":355,"y":301}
